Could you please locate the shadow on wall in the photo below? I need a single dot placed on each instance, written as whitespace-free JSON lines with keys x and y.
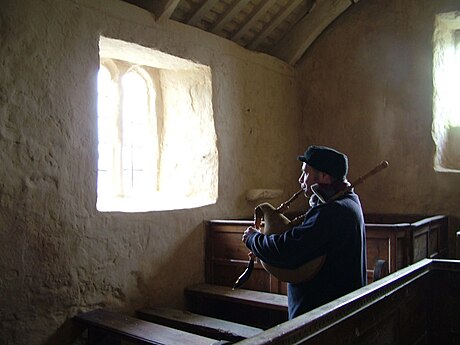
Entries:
{"x":164,"y":287}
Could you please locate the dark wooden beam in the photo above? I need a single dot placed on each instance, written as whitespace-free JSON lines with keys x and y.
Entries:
{"x":279,"y":18}
{"x":201,"y":11}
{"x":263,"y":7}
{"x":306,"y":31}
{"x":161,"y":9}
{"x":228,"y":15}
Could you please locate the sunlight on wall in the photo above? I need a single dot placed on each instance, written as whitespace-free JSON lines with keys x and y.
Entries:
{"x":446,"y":96}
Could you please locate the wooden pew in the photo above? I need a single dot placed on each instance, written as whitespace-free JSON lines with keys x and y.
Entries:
{"x":198,"y":324}
{"x":413,"y":306}
{"x":393,"y":242}
{"x":402,"y":240}
{"x":254,"y":308}
{"x":107,"y":328}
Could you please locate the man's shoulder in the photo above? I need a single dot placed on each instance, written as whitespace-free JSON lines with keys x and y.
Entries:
{"x":350,"y":197}
{"x":348,"y":203}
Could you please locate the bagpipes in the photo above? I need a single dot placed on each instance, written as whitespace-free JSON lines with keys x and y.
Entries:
{"x":275,"y":222}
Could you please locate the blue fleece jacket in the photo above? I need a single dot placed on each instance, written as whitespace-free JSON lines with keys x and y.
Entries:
{"x":335,"y":229}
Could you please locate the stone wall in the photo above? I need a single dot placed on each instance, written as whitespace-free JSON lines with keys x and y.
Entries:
{"x":367,"y":89}
{"x":59,"y":256}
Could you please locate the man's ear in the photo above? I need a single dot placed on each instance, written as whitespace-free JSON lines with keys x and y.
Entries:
{"x":326,"y":178}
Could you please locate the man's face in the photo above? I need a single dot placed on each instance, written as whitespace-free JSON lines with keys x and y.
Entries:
{"x":309,"y":177}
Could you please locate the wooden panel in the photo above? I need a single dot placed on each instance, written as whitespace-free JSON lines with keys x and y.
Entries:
{"x":420,"y":246}
{"x":377,"y":248}
{"x":229,"y":245}
{"x":387,"y":242}
{"x":433,"y":242}
{"x":402,"y":255}
{"x":434,"y":245}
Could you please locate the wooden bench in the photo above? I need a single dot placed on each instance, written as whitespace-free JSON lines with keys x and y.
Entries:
{"x":254,"y":308}
{"x":198,"y":324}
{"x":393,"y":240}
{"x":107,"y":327}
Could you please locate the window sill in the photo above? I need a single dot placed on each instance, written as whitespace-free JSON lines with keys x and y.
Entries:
{"x":156,"y":202}
{"x":446,"y":170}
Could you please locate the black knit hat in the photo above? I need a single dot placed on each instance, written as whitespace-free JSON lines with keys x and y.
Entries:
{"x":327,"y":160}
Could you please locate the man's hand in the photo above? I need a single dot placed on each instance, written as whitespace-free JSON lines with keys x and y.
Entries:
{"x":247,"y":232}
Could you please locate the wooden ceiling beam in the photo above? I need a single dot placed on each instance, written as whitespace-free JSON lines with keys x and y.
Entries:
{"x":260,"y":11}
{"x":306,"y":31}
{"x":228,"y":15}
{"x":201,"y":11}
{"x":279,"y":18}
{"x":163,"y":9}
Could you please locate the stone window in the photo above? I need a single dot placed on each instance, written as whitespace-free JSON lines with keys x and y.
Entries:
{"x":446,"y":97}
{"x":156,"y":137}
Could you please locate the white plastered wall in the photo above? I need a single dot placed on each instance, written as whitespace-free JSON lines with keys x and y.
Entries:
{"x":59,"y":255}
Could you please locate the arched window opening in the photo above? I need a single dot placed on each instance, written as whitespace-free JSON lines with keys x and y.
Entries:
{"x":139,"y":135}
{"x":446,"y":86}
{"x":157,"y":142}
{"x":107,"y":133}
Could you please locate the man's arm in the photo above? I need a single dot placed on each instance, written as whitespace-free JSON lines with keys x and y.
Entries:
{"x":291,"y":248}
